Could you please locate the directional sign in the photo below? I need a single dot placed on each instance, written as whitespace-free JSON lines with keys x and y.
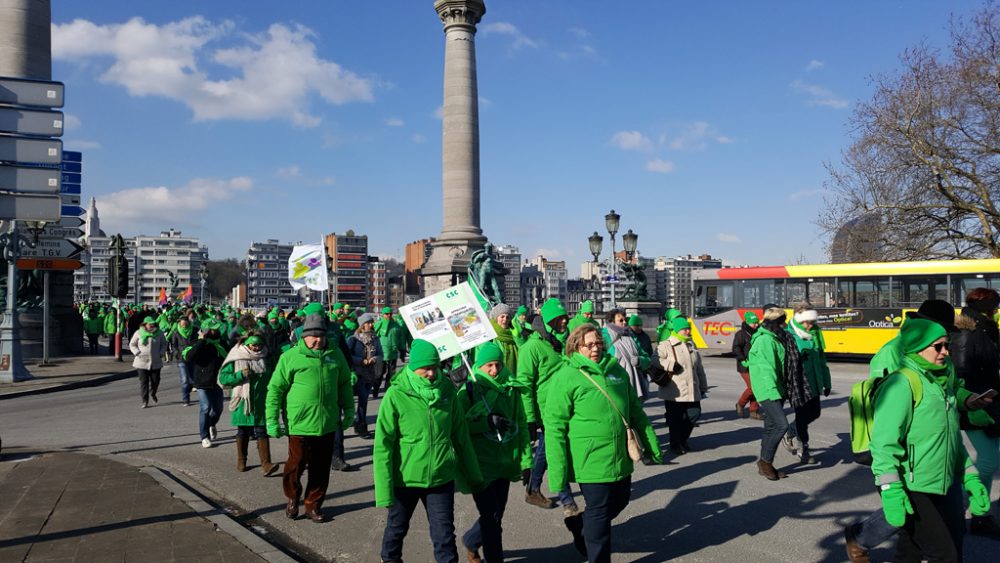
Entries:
{"x":31,"y":93}
{"x":25,"y":179}
{"x":70,"y":199}
{"x":29,"y":207}
{"x":42,"y":151}
{"x":53,"y":248}
{"x":72,"y":156}
{"x":60,"y":232}
{"x":71,"y":222}
{"x":67,"y":188}
{"x":72,"y":211}
{"x":42,"y":264}
{"x":71,"y":178}
{"x":31,"y":122}
{"x":71,"y":166}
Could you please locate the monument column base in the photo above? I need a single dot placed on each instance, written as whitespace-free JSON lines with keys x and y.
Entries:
{"x":448,"y":264}
{"x":648,"y":311}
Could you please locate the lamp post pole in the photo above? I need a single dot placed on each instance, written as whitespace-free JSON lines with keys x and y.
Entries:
{"x":203,"y":277}
{"x":611,"y":222}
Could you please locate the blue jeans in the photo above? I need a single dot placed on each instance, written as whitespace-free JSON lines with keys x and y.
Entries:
{"x":255,"y":432}
{"x":775,"y":426}
{"x":210,"y":401}
{"x":439,"y":502}
{"x":186,"y":386}
{"x":487,"y":532}
{"x":605,"y":501}
{"x":538,"y":468}
{"x":363,"y":391}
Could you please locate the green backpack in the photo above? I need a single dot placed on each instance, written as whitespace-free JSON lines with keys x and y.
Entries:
{"x":862,"y":406}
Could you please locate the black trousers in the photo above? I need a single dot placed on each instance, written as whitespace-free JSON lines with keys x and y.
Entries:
{"x":487,"y":532}
{"x":804,"y":416}
{"x":92,"y":341}
{"x":605,"y":501}
{"x":681,"y":417}
{"x":934,"y":531}
{"x":149,"y":383}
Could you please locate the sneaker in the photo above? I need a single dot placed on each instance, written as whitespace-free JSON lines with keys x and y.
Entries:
{"x":984,"y":526}
{"x":213,"y":433}
{"x":739,"y":410}
{"x":153,"y":396}
{"x":855,"y":553}
{"x":206,"y":443}
{"x":570,"y":510}
{"x":341,"y":465}
{"x":144,"y":405}
{"x":789,"y":444}
{"x":806,"y":457}
{"x":187,"y":403}
{"x":536,"y":498}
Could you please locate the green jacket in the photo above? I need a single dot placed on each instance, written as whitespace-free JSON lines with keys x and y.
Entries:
{"x":109,"y":323}
{"x":228,"y":377}
{"x":314,"y":388}
{"x":813,"y":357}
{"x":766,"y":363}
{"x":520,"y":331}
{"x":537,"y":360}
{"x":585,"y":439}
{"x":501,"y":456}
{"x":93,"y":323}
{"x":420,"y":444}
{"x":579,"y":320}
{"x":886,"y":360}
{"x":390,"y":334}
{"x":920,"y":446}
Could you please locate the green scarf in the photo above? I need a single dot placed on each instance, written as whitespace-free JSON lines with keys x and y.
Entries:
{"x":504,"y":335}
{"x":184,"y":332}
{"x":681,"y":337}
{"x":940,"y":374}
{"x":218,"y":347}
{"x":145,"y":335}
{"x":427,"y":390}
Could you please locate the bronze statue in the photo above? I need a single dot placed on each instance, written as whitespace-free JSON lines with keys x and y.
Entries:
{"x":488,"y":272}
{"x":636,"y":274}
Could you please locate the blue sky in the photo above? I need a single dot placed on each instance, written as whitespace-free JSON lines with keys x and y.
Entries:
{"x":706,"y":125}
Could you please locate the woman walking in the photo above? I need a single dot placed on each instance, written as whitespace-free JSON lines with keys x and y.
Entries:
{"x":491,"y":401}
{"x":624,"y":348}
{"x":741,"y":350}
{"x":366,"y":358}
{"x":681,"y":393}
{"x":769,"y":362}
{"x":589,"y":409}
{"x":246,"y":371}
{"x":148,"y":346}
{"x":809,"y":342}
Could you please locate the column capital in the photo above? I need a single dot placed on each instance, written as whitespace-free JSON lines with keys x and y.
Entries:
{"x":466,"y":13}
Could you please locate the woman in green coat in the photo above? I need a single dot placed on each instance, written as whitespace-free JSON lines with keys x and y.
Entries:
{"x":246,"y":371}
{"x":494,"y":413}
{"x":585,"y":438}
{"x":421,"y":445}
{"x":812,"y":355}
{"x":767,"y":380}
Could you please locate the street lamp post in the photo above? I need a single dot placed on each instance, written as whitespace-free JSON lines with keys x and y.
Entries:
{"x":11,"y":365}
{"x":203,"y":277}
{"x":611,"y":222}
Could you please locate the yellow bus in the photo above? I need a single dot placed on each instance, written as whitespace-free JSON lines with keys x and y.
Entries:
{"x":860,"y":305}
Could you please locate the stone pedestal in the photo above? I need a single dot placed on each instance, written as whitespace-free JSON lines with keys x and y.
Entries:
{"x":649,"y":311}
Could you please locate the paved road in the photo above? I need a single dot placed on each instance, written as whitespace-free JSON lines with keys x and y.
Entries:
{"x":709,"y":505}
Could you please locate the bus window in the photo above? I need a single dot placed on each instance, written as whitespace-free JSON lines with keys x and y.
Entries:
{"x":870,"y":293}
{"x":713,"y":298}
{"x":962,"y":285}
{"x":795,"y":293}
{"x":820,"y":293}
{"x":916,"y":290}
{"x":757,"y":293}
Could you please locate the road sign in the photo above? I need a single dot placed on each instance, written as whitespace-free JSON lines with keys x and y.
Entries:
{"x":31,"y":122}
{"x":71,"y":222}
{"x":71,"y":166}
{"x":43,"y":264}
{"x":72,"y":156}
{"x":53,"y":248}
{"x":30,"y":207}
{"x":611,"y":279}
{"x":31,"y":93}
{"x":57,"y":231}
{"x":72,"y":211}
{"x":24,"y":179}
{"x":71,"y":177}
{"x":70,"y":189}
{"x":42,"y":151}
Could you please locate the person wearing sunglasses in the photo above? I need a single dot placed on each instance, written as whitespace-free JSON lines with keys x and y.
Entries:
{"x":917,"y":449}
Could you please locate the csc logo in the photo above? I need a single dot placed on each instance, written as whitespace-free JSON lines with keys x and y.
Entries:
{"x":718,"y":329}
{"x":450,"y":294}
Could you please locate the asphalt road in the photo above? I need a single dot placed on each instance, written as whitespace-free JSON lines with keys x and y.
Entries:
{"x":709,"y":505}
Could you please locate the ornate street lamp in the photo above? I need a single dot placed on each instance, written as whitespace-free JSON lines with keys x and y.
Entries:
{"x":611,"y":221}
{"x":630,"y":241}
{"x":596,"y":245}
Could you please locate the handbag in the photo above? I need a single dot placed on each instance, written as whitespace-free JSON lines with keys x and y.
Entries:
{"x":662,"y":377}
{"x":632,"y":442}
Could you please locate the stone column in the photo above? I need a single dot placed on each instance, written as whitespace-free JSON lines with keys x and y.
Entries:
{"x":461,"y":234}
{"x":26,"y":39}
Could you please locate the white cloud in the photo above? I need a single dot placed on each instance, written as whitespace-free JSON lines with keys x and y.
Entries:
{"x":549,"y":253}
{"x":159,"y":205}
{"x":511,"y":30}
{"x":70,"y":122}
{"x":271,"y":75}
{"x":727,"y":238}
{"x":418,"y":138}
{"x":803,"y":194}
{"x":660,"y":166}
{"x":395,"y":122}
{"x":819,"y":95}
{"x":814,"y":65}
{"x":695,"y":136}
{"x":328,"y":181}
{"x":631,"y":141}
{"x":80,"y":144}
{"x":289,"y":172}
{"x":580,"y":32}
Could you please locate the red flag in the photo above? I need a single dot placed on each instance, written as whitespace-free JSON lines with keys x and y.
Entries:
{"x":163,"y":296}
{"x":188,"y":294}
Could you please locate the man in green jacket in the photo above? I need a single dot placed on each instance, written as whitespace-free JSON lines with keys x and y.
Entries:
{"x":312,"y":383}
{"x":519,"y":326}
{"x":421,"y":446}
{"x":584,"y":316}
{"x":390,"y":333}
{"x":538,"y":360}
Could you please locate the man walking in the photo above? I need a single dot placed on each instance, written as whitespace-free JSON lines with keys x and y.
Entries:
{"x":204,"y":359}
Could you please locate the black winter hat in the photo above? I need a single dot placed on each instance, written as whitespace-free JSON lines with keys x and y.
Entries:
{"x":936,"y":310}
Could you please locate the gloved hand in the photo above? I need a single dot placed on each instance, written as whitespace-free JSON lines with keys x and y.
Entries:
{"x":980,"y":418}
{"x":979,"y":497}
{"x":532,"y":431}
{"x":346,"y":423}
{"x":525,"y":476}
{"x":498,"y":423}
{"x":826,"y":392}
{"x":274,"y":431}
{"x":895,"y":504}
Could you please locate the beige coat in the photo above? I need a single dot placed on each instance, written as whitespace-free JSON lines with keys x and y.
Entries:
{"x":690,"y":383}
{"x":149,"y":355}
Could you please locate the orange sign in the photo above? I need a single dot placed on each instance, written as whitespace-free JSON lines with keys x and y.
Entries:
{"x":718,"y":329}
{"x":41,"y":264}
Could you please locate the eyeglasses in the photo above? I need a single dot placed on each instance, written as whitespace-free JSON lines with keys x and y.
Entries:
{"x":940,"y":346}
{"x":592,"y":345}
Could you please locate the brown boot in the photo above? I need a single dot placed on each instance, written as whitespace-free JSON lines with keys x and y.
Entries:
{"x":768,"y":471}
{"x":264,"y":450}
{"x":242,"y":444}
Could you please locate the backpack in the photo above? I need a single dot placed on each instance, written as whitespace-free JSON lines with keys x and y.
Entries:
{"x":862,"y":408}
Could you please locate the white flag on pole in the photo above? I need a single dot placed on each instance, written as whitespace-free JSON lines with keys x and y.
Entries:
{"x":307,"y":267}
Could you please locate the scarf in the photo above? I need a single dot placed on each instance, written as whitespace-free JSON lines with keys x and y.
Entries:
{"x":145,"y":335}
{"x":368,"y":339}
{"x":796,"y":386}
{"x":184,"y":332}
{"x":800,"y":330}
{"x":940,"y":374}
{"x":429,"y":391}
{"x":245,"y":360}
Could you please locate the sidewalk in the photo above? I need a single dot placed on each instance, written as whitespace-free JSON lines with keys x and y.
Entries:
{"x":68,"y":373}
{"x":77,"y":507}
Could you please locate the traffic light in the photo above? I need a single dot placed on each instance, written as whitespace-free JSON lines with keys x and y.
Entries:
{"x":118,"y":276}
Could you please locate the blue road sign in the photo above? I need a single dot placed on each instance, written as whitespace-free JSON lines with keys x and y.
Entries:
{"x":70,"y":189}
{"x":72,"y":211}
{"x":72,"y":156}
{"x":75,"y":167}
{"x":71,"y":178}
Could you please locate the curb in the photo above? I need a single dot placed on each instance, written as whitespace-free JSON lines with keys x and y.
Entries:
{"x":217,"y":516}
{"x":69,"y":386}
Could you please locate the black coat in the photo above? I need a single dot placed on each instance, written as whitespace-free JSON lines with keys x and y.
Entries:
{"x":741,"y":346}
{"x":204,"y":362}
{"x":975,"y":350}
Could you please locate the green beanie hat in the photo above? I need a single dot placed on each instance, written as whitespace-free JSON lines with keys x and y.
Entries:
{"x":672,"y":314}
{"x":273,"y":314}
{"x":488,"y":352}
{"x":750,"y":318}
{"x":313,"y":309}
{"x":522,"y":310}
{"x":679,"y":323}
{"x":918,"y":334}
{"x":423,"y":354}
{"x":211,"y":324}
{"x":386,"y":310}
{"x":552,"y":309}
{"x":254,"y":340}
{"x":149,"y":321}
{"x":338,"y":305}
{"x":587,"y":306}
{"x":635,"y":320}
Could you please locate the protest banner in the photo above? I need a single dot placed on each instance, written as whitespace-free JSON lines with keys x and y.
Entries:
{"x":452,"y":320}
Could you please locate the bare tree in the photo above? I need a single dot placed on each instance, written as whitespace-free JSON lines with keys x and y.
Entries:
{"x":924,"y":169}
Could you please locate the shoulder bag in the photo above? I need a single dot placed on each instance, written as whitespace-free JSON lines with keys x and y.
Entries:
{"x":633,"y":444}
